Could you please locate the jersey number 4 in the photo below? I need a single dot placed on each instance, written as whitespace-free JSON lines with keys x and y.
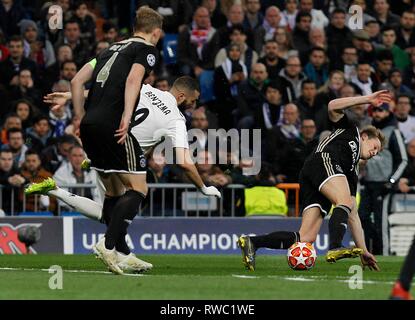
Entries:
{"x":104,"y":73}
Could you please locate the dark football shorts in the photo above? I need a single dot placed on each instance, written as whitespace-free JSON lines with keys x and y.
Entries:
{"x":107,"y":155}
{"x":317,"y":170}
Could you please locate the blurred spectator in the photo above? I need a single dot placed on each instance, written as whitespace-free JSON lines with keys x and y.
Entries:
{"x":317,"y":38}
{"x":12,"y":121}
{"x":301,"y":40}
{"x":197,"y":47}
{"x":217,"y":17}
{"x":54,"y":155}
{"x":269,"y":114}
{"x":348,"y":62}
{"x":380,"y":174}
{"x":285,"y":46}
{"x":156,"y":172}
{"x":396,"y":85}
{"x":227,"y":78}
{"x":384,"y":64}
{"x":358,"y":114}
{"x":292,"y":78}
{"x":238,"y":35}
{"x":384,"y":15}
{"x":319,"y":19}
{"x":409,"y":72}
{"x":59,"y":119}
{"x":72,"y":173}
{"x":85,"y":21}
{"x":10,"y":68}
{"x":406,"y":122}
{"x":110,"y":32}
{"x":372,"y":28}
{"x":365,"y":49}
{"x":408,"y":177}
{"x":33,"y":172}
{"x":400,"y":57}
{"x":162,"y":84}
{"x":72,"y":36}
{"x":317,"y":69}
{"x":25,"y":111}
{"x":10,"y":179}
{"x":251,"y":96}
{"x":39,"y":135}
{"x":200,"y":122}
{"x":52,"y":73}
{"x":362,"y":80}
{"x":11,"y":12}
{"x":101,"y":46}
{"x":25,"y":89}
{"x":266,"y":32}
{"x":307,"y":103}
{"x":17,"y":146}
{"x":289,"y":14}
{"x":73,"y":128}
{"x":235,"y":16}
{"x":68,"y":70}
{"x":39,"y":51}
{"x":271,"y":60}
{"x":253,"y":16}
{"x":210,"y":173}
{"x":405,"y":33}
{"x":338,"y":34}
{"x":176,"y":13}
{"x":4,"y":52}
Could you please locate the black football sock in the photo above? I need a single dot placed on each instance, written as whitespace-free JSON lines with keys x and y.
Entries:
{"x":408,"y":268}
{"x":109,"y":203}
{"x":276,"y":240}
{"x":338,"y":225}
{"x":122,"y":215}
{"x":121,"y":245}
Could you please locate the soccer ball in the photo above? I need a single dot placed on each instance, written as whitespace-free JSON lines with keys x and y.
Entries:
{"x":301,"y":256}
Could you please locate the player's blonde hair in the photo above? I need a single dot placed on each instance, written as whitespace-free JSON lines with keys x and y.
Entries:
{"x":146,"y":20}
{"x":373,"y":133}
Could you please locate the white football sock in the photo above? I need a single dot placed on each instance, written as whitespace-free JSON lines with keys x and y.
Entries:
{"x":86,"y":206}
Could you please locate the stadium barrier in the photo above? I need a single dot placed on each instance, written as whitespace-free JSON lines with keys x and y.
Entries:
{"x":163,"y":199}
{"x":146,"y":235}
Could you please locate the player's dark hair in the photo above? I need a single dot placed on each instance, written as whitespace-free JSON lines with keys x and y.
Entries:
{"x":186,"y":83}
{"x":147,"y":20}
{"x":373,"y":133}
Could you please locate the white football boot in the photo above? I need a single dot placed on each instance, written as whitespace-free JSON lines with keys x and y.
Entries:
{"x":109,"y":257}
{"x":131,"y":264}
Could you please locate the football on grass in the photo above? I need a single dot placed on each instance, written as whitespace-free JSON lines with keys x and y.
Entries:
{"x":301,"y":256}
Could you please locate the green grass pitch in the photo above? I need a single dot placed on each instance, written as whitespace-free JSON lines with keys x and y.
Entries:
{"x":190,"y":277}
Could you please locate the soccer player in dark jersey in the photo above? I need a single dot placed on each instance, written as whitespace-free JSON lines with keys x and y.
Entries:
{"x":116,"y":77}
{"x":401,"y":289}
{"x":329,"y":177}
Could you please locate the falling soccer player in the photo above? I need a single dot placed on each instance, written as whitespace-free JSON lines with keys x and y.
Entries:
{"x":329,"y":177}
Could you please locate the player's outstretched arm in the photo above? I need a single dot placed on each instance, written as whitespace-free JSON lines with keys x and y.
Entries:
{"x":132,"y":90}
{"x":337,"y":106}
{"x":78,"y":88}
{"x":184,"y":160}
{"x":59,"y":99}
{"x":368,"y":260}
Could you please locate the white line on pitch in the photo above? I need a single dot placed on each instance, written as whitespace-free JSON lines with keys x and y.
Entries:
{"x":72,"y":271}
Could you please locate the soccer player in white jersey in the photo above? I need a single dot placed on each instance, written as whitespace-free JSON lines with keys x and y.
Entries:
{"x":157,"y":116}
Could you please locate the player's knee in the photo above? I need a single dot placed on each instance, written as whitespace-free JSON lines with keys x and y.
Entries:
{"x":345,"y":201}
{"x":143,"y":189}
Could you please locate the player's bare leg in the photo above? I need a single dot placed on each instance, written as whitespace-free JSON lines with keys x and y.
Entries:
{"x":337,"y":190}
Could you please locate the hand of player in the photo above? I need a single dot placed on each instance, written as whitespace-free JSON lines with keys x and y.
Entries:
{"x":369,"y":260}
{"x":378,"y":98}
{"x":56,"y":99}
{"x":211,"y":191}
{"x":122,"y":130}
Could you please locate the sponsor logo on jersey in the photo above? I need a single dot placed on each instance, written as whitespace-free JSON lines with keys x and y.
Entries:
{"x":339,"y":169}
{"x":353,"y":146}
{"x":151,"y":60}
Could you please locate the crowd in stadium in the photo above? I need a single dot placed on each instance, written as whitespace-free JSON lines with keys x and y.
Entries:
{"x":269,"y":65}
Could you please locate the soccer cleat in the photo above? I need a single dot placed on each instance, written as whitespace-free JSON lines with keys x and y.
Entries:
{"x":109,"y":257}
{"x":131,"y":264}
{"x":399,"y":293}
{"x":41,"y":187}
{"x":342,"y":253}
{"x":86,"y":164}
{"x":248,"y":252}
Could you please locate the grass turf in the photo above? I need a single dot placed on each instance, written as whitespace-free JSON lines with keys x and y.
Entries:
{"x":192,"y":277}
